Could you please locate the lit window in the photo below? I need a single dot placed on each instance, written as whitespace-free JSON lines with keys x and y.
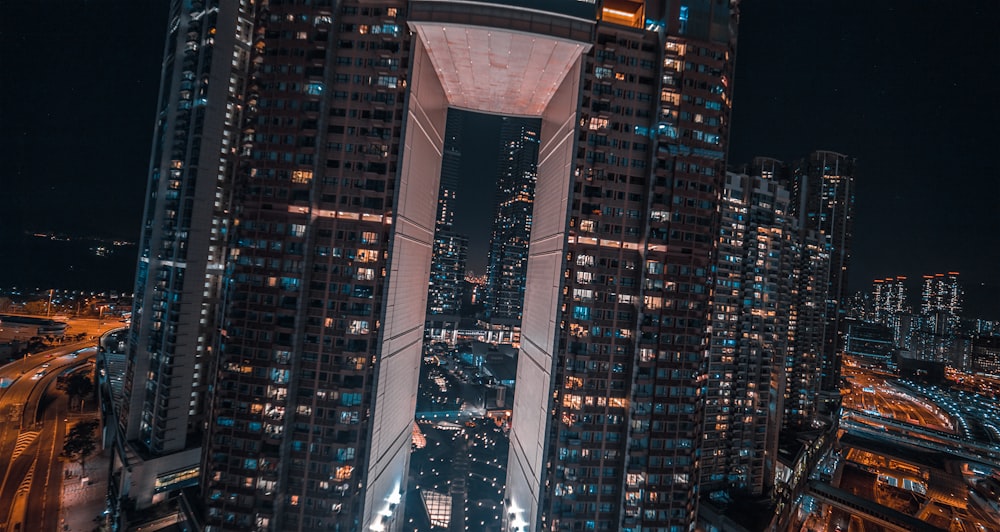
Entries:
{"x":344,"y":472}
{"x":603,"y":72}
{"x":302,"y":176}
{"x":597,"y":122}
{"x":358,"y":327}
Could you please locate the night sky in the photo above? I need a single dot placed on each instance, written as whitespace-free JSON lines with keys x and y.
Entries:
{"x":908,"y":88}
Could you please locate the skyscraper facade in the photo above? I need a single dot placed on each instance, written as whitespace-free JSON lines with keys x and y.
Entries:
{"x":446,"y":285}
{"x":337,"y":129}
{"x":891,"y":308}
{"x":182,"y":251}
{"x":751,"y":307}
{"x":297,"y":382}
{"x":823,"y":188}
{"x":810,"y":252}
{"x":623,"y":449}
{"x":937,"y":333}
{"x":507,"y":264}
{"x":807,"y":328}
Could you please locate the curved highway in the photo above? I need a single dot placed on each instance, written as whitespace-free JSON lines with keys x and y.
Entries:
{"x":32,"y":428}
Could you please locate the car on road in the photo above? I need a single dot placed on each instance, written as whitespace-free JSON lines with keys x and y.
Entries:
{"x":45,"y":365}
{"x":38,"y":375}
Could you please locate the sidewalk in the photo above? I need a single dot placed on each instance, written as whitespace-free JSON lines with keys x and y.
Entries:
{"x":82,"y":502}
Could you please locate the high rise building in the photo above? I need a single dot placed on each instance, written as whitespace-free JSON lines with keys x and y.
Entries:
{"x":823,"y":189}
{"x":808,"y":313}
{"x":182,"y":251}
{"x":447,"y":282}
{"x":807,"y":328}
{"x":751,"y":308}
{"x":507,"y":264}
{"x":891,"y":308}
{"x":337,"y":112}
{"x":937,"y":331}
{"x":889,"y":296}
{"x":942,"y":293}
{"x":446,"y":286}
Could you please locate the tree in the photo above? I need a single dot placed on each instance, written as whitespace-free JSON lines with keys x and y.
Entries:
{"x":80,"y":443}
{"x":77,"y":386}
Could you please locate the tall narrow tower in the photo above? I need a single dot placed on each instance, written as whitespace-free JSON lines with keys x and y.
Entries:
{"x":446,"y":284}
{"x":508,"y":256}
{"x":182,"y":252}
{"x":824,"y":203}
{"x":752,"y":305}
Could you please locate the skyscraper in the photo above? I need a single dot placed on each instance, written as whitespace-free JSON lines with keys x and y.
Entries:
{"x":339,"y":115}
{"x":810,"y":252}
{"x":182,"y":251}
{"x":507,"y":264}
{"x":891,"y":308}
{"x":446,"y":290}
{"x":752,"y":302}
{"x":807,"y":329}
{"x":936,"y":337}
{"x":823,"y":186}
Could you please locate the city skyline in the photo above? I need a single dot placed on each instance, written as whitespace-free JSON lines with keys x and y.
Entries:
{"x":853,"y":93}
{"x":674,"y":335}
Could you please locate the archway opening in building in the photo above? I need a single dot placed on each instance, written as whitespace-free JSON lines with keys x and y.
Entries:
{"x":502,"y":72}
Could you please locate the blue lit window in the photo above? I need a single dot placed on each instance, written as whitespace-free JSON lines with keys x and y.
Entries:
{"x":225,"y":422}
{"x":250,"y":463}
{"x":581,"y":313}
{"x":668,"y":131}
{"x":389,"y":29}
{"x":254,"y":426}
{"x":684,"y":14}
{"x":350,"y":399}
{"x":314,"y":88}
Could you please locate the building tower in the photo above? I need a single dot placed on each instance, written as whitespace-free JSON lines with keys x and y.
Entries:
{"x":752,"y":300}
{"x":890,"y":298}
{"x":940,"y":318}
{"x":182,"y":251}
{"x":810,"y":258}
{"x":342,"y":125}
{"x":891,"y":307}
{"x":507,"y":264}
{"x":446,"y":291}
{"x":823,"y":186}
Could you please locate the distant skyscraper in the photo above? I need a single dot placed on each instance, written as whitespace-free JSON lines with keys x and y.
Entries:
{"x":891,"y":307}
{"x":937,"y":331}
{"x":446,"y":285}
{"x":507,"y":265}
{"x":889,"y":295}
{"x":338,"y":112}
{"x":447,"y":281}
{"x":753,"y":298}
{"x":182,"y":252}
{"x":823,"y":186}
{"x":942,"y":292}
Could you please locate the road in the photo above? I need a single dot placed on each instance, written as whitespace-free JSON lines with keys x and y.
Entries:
{"x":872,"y":393}
{"x":32,"y":427}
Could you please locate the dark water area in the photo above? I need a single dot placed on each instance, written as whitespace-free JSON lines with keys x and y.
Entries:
{"x":29,"y":262}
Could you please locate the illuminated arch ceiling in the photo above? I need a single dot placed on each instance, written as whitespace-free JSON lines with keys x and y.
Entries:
{"x":497,"y":71}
